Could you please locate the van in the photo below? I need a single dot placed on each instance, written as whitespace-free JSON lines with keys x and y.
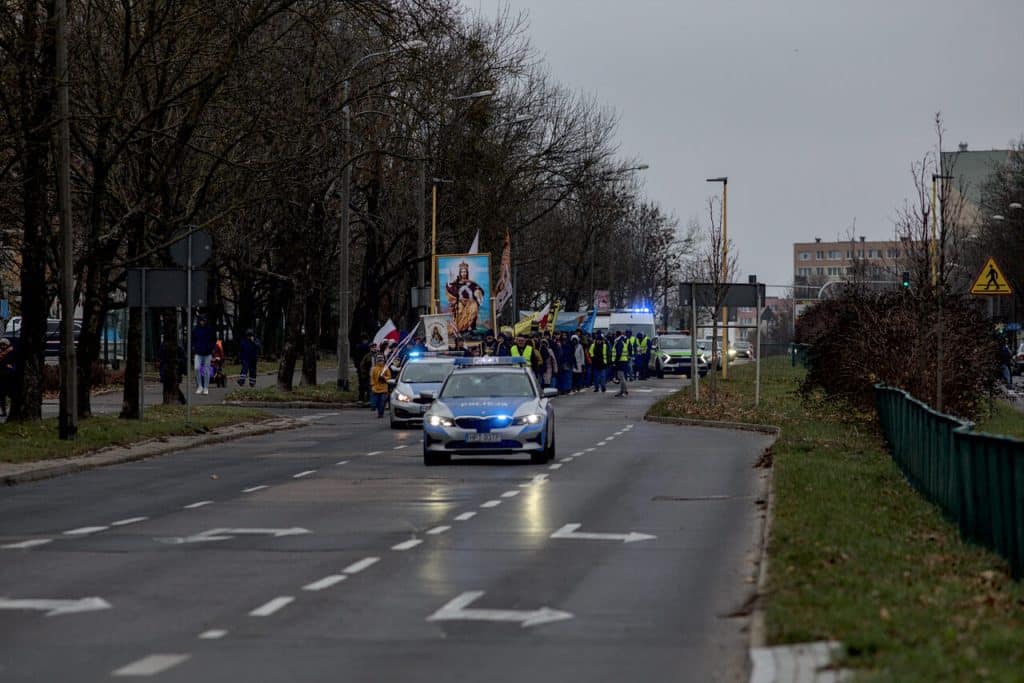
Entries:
{"x":639,"y":320}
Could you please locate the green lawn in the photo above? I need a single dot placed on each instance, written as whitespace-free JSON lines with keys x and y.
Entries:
{"x":25,"y":442}
{"x":858,"y":556}
{"x":322,"y":393}
{"x":1002,"y":418}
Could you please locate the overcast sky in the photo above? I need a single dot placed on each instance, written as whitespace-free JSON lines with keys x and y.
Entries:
{"x":814,"y":109}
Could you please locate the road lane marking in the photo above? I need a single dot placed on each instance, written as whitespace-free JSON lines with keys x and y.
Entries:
{"x":438,"y":530}
{"x":590,"y":450}
{"x":570,"y":531}
{"x":82,"y":531}
{"x":272,"y":606}
{"x":398,"y":448}
{"x":510,"y":494}
{"x":362,"y":564}
{"x":200,"y":504}
{"x":610,"y":438}
{"x":343,"y":462}
{"x":325,"y":582}
{"x":556,"y":466}
{"x":602,"y":443}
{"x":130,"y":520}
{"x":577,"y":454}
{"x":458,"y":609}
{"x":300,"y":475}
{"x":213,"y":634}
{"x":569,"y":459}
{"x":151,"y":665}
{"x":254,"y":489}
{"x":35,"y":542}
{"x":375,"y":452}
{"x":491,"y":504}
{"x":318,"y":416}
{"x":55,"y":607}
{"x":407,"y":545}
{"x":465,"y":516}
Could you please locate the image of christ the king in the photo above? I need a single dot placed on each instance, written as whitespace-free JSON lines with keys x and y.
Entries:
{"x":464,"y":300}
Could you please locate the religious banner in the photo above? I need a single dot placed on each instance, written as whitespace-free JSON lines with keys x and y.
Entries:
{"x":435,"y":331}
{"x":503,"y":290}
{"x":465,"y":291}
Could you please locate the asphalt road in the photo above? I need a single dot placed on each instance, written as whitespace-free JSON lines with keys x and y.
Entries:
{"x":332,"y":553}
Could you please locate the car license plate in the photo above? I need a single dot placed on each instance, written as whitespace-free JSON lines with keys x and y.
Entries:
{"x":483,"y":438}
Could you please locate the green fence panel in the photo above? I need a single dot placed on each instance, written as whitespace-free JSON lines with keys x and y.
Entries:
{"x":977,"y":480}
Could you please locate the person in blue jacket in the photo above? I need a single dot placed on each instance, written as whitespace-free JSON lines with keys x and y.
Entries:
{"x":202,"y":348}
{"x":248,"y":354}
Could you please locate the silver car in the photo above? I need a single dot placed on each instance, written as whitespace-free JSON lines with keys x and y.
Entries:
{"x":419,"y":375}
{"x":489,"y":406}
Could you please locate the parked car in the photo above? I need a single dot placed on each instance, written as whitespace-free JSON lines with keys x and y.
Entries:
{"x":13,"y":331}
{"x":744,"y":349}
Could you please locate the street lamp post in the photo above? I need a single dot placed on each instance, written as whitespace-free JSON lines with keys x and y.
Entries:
{"x":344,"y":248}
{"x":725,"y":269}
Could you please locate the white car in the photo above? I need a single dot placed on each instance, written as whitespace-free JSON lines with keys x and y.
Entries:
{"x":421,"y":374}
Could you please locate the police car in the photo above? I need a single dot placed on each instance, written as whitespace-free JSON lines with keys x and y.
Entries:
{"x":489,"y":406}
{"x":422,"y":373}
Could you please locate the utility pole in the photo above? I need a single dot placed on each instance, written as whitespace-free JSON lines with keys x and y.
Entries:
{"x":68,"y":423}
{"x":344,"y":249}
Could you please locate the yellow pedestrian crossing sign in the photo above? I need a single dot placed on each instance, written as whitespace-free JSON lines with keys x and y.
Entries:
{"x":991,"y":281}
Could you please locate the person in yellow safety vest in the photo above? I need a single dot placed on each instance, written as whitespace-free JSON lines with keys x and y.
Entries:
{"x":600,"y":362}
{"x":632,"y":344}
{"x":642,"y":355}
{"x":620,"y":356}
{"x":522,"y":350}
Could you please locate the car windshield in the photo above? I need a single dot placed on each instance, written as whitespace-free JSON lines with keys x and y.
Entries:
{"x":741,"y":344}
{"x":674,"y":343}
{"x":487,"y":385}
{"x":415,"y":373}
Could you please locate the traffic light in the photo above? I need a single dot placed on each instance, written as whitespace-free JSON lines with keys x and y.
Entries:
{"x":906,"y":279}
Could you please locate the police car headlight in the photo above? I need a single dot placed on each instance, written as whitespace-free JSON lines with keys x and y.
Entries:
{"x":531,"y":419}
{"x":402,"y":398}
{"x":438,"y":421}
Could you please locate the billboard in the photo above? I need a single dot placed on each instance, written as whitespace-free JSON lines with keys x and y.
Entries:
{"x":465,"y":291}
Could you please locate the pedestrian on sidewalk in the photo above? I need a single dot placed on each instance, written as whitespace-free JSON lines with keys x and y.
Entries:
{"x":7,"y":368}
{"x":202,"y":347}
{"x":379,"y":376}
{"x":363,"y":374}
{"x":620,"y":356}
{"x":248,"y":355}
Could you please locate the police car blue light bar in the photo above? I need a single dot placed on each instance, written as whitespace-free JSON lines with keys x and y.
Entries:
{"x":489,"y":360}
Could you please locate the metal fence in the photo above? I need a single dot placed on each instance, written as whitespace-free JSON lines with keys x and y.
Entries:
{"x":976,"y":479}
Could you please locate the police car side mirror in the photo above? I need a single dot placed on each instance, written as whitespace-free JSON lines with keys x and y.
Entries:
{"x":428,"y":396}
{"x":549,"y":393}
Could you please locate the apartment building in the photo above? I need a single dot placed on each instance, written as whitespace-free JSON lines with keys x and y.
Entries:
{"x":817,"y":262}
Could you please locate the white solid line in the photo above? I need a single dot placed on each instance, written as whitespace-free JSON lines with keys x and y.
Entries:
{"x":398,"y":448}
{"x":213,"y":634}
{"x":325,"y":582}
{"x":151,"y":665}
{"x":465,"y":516}
{"x":300,"y":475}
{"x":27,"y":544}
{"x":130,"y":520}
{"x":375,"y":452}
{"x":200,"y":504}
{"x":491,"y":504}
{"x":343,"y":462}
{"x":253,"y":489}
{"x":510,"y":494}
{"x":82,"y":531}
{"x":407,"y":545}
{"x":556,"y":466}
{"x":271,"y":607}
{"x":362,"y":564}
{"x":438,"y":530}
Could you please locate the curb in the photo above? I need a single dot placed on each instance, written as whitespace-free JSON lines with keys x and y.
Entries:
{"x":758,"y":632}
{"x":109,"y":456}
{"x":689,"y":422}
{"x":293,"y":405}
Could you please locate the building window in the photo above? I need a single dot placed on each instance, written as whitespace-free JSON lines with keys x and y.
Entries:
{"x":805,"y":256}
{"x":820,"y":255}
{"x":833,"y":255}
{"x":892,"y":253}
{"x":821,"y":271}
{"x":803,"y":271}
{"x":849,"y":254}
{"x":860,"y":253}
{"x":872,"y":253}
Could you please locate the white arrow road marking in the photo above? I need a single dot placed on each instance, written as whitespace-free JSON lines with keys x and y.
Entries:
{"x":27,"y":544}
{"x":151,"y":665}
{"x":213,"y":634}
{"x":465,"y":516}
{"x":272,"y":606}
{"x":569,"y":531}
{"x":225,"y":534}
{"x":362,"y":564}
{"x":82,"y":531}
{"x":56,"y":607}
{"x":456,"y":610}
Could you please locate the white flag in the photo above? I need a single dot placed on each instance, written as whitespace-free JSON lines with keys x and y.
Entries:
{"x":475,"y":247}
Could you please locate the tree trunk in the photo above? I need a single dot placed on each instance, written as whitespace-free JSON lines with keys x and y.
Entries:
{"x":132,"y":366}
{"x":170,"y":373}
{"x":292,"y":342}
{"x":311,"y":304}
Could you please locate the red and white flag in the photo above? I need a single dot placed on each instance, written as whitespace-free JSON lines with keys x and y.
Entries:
{"x":542,"y":317}
{"x":387,"y":333}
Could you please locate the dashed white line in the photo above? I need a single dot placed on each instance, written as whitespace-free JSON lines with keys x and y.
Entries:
{"x":510,"y":494}
{"x":438,"y":530}
{"x":569,"y":459}
{"x":151,"y":665}
{"x":375,"y":452}
{"x":325,"y":582}
{"x":556,"y":466}
{"x":254,"y":489}
{"x":343,"y":462}
{"x":398,"y":448}
{"x":407,"y":545}
{"x":272,"y":606}
{"x":202,"y":503}
{"x":590,"y":450}
{"x":82,"y":531}
{"x":491,"y":504}
{"x":213,"y":634}
{"x":130,"y":520}
{"x":362,"y":564}
{"x":35,"y":542}
{"x":610,"y":438}
{"x":577,"y":454}
{"x":602,"y":443}
{"x":300,"y":475}
{"x":465,"y":516}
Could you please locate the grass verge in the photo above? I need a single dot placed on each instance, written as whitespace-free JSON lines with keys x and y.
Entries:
{"x":28,"y":442}
{"x":1002,"y":418}
{"x":857,"y":556}
{"x":321,"y":393}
